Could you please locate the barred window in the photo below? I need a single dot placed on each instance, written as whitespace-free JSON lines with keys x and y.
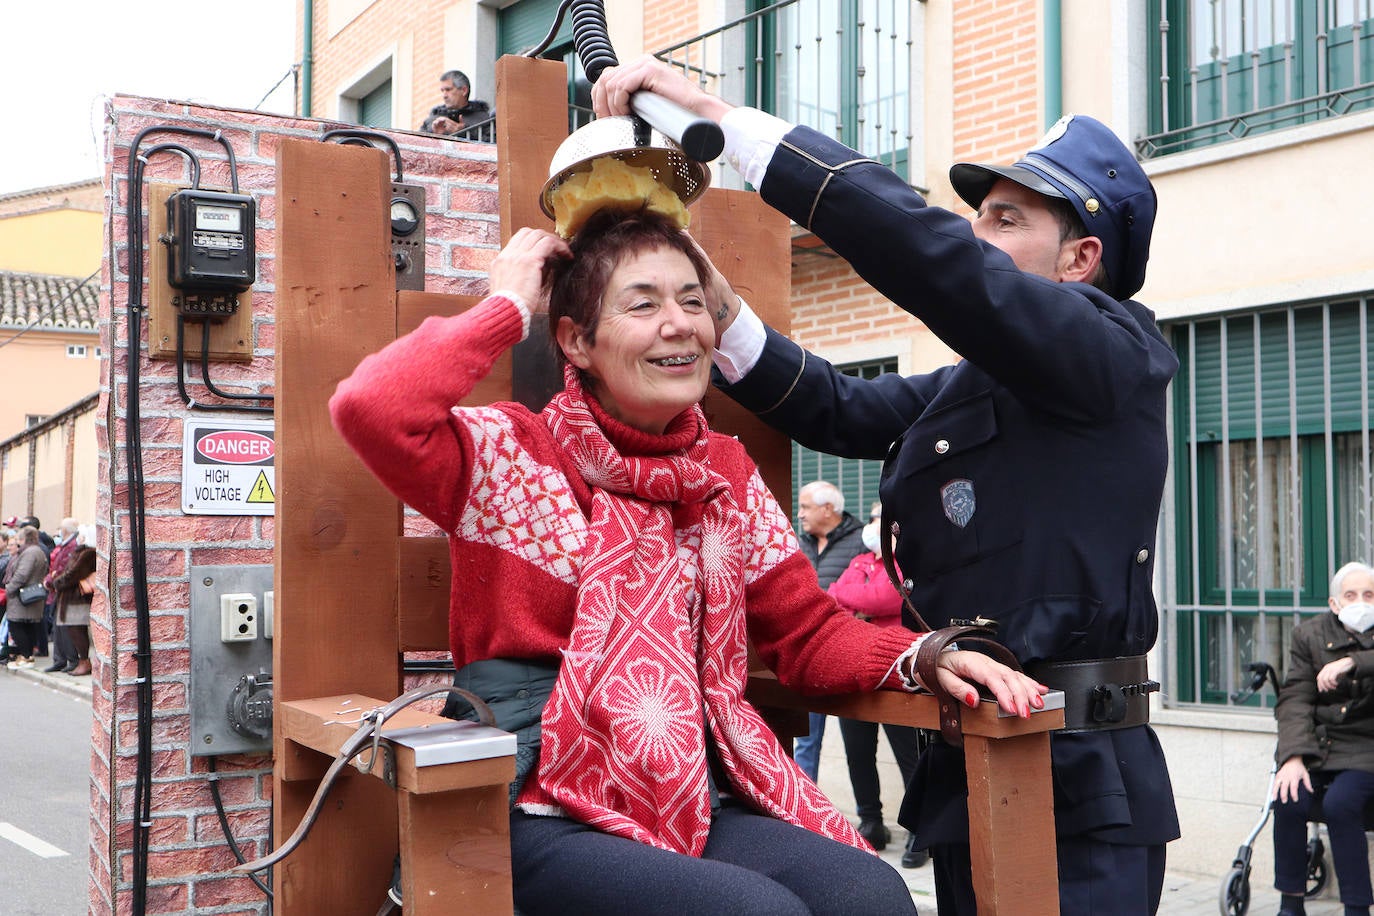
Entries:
{"x":1225,"y":69}
{"x":1272,"y":472}
{"x":856,"y":478}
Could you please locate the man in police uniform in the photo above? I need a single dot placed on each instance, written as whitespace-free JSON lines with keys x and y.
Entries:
{"x":1024,"y":483}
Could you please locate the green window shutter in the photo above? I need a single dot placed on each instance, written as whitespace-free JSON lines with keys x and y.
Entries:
{"x":523,"y":25}
{"x":1309,"y":364}
{"x":374,"y":109}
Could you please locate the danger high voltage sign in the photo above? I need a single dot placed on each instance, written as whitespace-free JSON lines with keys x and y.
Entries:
{"x":227,"y":468}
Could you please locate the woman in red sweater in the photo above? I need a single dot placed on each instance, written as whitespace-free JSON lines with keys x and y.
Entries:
{"x":611,"y":558}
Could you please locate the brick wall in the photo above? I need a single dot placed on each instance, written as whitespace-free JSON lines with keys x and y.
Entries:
{"x":996,"y":79}
{"x":188,"y":858}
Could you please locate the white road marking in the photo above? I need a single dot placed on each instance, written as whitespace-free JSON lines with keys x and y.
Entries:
{"x":28,"y":841}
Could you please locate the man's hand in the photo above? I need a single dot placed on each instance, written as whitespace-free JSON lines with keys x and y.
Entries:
{"x":446,"y":126}
{"x":1332,"y":671}
{"x":721,"y":300}
{"x":1286,"y":781}
{"x":612,"y":90}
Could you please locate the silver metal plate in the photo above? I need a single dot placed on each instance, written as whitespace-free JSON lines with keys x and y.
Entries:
{"x":452,"y":742}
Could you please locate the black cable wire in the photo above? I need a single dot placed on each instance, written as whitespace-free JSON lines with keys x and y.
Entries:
{"x":213,"y":779}
{"x":137,"y":509}
{"x":205,"y":376}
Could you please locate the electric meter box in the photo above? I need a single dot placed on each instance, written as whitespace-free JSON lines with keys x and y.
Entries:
{"x":210,"y":240}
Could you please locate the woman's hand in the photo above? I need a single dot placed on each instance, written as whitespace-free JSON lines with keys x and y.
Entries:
{"x":519,"y":267}
{"x":1016,"y":693}
{"x":612,"y":90}
{"x":1286,"y":780}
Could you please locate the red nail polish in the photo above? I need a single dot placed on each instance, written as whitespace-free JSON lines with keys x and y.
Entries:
{"x":971,"y":699}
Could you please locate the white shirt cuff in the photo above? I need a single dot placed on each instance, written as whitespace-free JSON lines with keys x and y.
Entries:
{"x":751,"y":138}
{"x":741,"y":345}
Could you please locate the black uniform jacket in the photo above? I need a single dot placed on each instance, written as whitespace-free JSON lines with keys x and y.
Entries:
{"x":1026,"y":480}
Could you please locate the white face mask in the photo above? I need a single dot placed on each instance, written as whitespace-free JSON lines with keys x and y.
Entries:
{"x":870,"y":536}
{"x":1358,"y":616}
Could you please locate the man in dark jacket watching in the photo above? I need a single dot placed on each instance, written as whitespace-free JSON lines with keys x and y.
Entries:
{"x":1326,"y":738}
{"x":830,"y":538}
{"x":459,"y":113}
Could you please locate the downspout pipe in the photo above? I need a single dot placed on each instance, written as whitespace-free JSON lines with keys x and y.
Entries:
{"x":1054,"y":60}
{"x":308,"y":58}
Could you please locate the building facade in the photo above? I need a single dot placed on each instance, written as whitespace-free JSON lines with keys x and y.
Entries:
{"x":50,"y":349}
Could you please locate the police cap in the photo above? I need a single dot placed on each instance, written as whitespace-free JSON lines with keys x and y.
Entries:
{"x":1083,"y":162}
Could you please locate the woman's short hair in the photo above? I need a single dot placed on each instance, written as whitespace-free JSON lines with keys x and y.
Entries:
{"x":27,"y":535}
{"x":577,"y":286}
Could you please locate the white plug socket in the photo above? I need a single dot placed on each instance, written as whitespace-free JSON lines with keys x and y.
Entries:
{"x":238,"y":617}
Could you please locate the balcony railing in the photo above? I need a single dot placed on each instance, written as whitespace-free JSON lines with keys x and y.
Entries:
{"x":1226,"y":69}
{"x":842,"y":67}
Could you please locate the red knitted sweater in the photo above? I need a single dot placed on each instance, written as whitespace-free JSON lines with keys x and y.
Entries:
{"x":516,"y":511}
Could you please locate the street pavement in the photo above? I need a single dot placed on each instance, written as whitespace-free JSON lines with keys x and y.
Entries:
{"x":1185,"y":894}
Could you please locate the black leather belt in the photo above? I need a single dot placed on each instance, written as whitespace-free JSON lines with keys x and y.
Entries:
{"x":1100,"y":693}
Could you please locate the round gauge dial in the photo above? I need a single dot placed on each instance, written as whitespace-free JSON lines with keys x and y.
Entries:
{"x":404,"y":217}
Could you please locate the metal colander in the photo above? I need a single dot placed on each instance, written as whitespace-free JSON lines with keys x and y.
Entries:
{"x":632,"y":141}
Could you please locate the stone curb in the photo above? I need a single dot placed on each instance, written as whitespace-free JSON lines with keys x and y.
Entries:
{"x":79,"y":687}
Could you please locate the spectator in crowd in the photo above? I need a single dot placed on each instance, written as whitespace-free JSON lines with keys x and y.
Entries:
{"x":28,"y":565}
{"x":1326,"y":742}
{"x":74,"y":585}
{"x":6,"y":536}
{"x":830,"y":539}
{"x":458,"y":113}
{"x":62,"y":651}
{"x":866,"y":591}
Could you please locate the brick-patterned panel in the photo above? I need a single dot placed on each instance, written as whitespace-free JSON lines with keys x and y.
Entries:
{"x":188,"y":857}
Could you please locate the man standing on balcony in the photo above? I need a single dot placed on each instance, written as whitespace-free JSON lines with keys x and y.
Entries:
{"x":1022,"y":484}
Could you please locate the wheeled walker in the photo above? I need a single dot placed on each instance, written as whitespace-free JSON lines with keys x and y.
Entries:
{"x":1235,"y":887}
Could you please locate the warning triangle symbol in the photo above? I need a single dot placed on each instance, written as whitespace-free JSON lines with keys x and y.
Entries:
{"x":262,"y":490}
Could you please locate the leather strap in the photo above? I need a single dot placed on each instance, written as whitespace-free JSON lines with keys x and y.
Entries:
{"x":368,"y":734}
{"x":927,"y":663}
{"x":885,"y":535}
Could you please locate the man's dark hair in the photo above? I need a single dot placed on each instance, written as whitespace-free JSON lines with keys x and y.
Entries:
{"x":32,"y":521}
{"x":457,"y":78}
{"x":1071,"y":228}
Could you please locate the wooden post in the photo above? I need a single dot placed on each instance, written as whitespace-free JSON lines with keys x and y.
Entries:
{"x":335,"y":304}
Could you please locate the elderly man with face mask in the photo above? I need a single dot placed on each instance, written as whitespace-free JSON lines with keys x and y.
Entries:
{"x":1326,"y":742}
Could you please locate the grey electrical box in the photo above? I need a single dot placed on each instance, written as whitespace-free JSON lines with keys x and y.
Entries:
{"x":232,"y":621}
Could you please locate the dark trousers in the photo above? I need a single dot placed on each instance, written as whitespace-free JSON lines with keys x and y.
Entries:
{"x":24,"y":634}
{"x":861,"y":753}
{"x":1104,"y":879}
{"x":752,"y":864}
{"x":1343,"y":804}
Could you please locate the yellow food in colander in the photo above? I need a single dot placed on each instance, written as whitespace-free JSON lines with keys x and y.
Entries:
{"x":612,"y":184}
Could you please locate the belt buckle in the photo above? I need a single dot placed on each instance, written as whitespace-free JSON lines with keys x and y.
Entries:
{"x":1108,"y":703}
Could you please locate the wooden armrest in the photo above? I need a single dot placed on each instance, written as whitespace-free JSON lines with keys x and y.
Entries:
{"x":323,"y":724}
{"x":895,"y":707}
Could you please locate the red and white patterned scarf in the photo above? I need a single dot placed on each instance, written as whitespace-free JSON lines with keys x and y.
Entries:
{"x":623,"y":746}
